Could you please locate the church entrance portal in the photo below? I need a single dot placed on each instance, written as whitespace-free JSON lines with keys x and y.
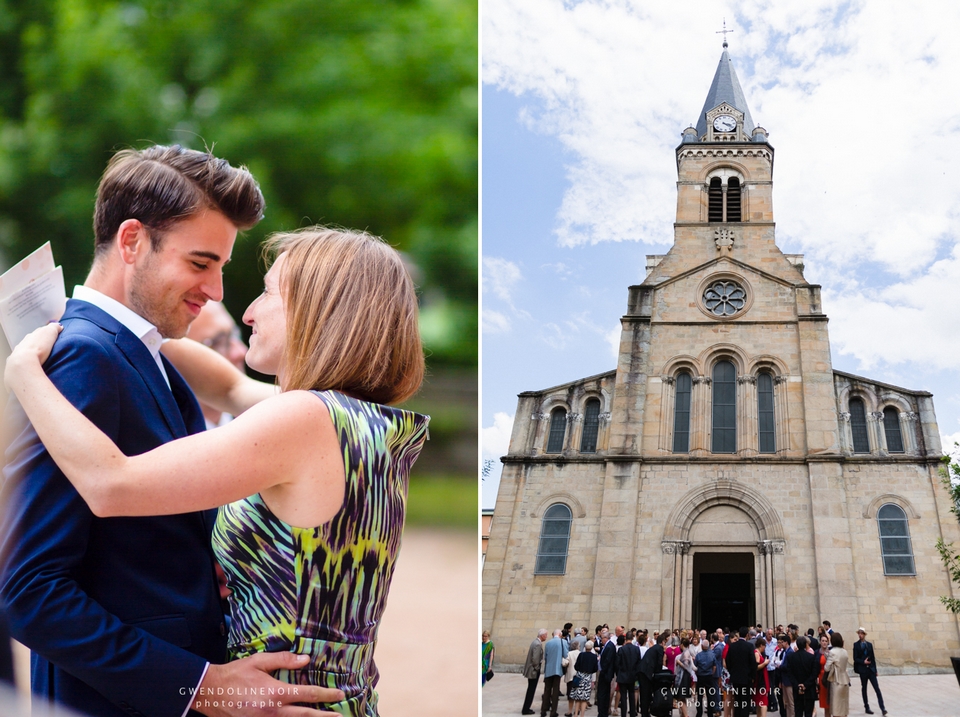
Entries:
{"x":723,"y":590}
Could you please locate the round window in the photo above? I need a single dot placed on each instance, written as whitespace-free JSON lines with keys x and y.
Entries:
{"x":724,"y":298}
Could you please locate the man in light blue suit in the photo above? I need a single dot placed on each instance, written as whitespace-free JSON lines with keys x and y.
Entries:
{"x":554,"y":653}
{"x":123,"y":615}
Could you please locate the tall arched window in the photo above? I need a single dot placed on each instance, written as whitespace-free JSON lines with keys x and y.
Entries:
{"x":724,"y":408}
{"x":766,"y":425}
{"x":895,"y":544}
{"x":554,"y":540}
{"x":733,"y":200}
{"x":858,"y":426}
{"x":681,"y":414}
{"x":591,"y":426}
{"x":558,"y":428}
{"x":715,"y":207}
{"x":891,"y":428}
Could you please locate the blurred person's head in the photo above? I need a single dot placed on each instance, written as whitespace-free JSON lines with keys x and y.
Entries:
{"x":836,"y":639}
{"x":215,"y":328}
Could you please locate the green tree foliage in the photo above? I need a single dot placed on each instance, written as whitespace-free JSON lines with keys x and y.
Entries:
{"x":950,"y":476}
{"x":356,"y":113}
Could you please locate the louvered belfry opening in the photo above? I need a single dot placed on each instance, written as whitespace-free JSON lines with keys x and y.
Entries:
{"x":715,"y":210}
{"x":733,"y":199}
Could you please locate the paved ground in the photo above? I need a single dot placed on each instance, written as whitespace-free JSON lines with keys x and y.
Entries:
{"x":903,"y":695}
{"x":428,"y":664}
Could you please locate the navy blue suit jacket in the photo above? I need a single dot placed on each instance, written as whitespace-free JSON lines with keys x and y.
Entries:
{"x":122,"y":614}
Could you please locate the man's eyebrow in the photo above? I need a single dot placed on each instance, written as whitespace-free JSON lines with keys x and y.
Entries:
{"x":208,"y":255}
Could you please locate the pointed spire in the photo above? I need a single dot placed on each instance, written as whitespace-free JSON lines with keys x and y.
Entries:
{"x":725,"y":88}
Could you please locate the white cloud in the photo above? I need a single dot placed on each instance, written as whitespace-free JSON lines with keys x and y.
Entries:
{"x":495,"y":439}
{"x":494,"y":322}
{"x":855,"y":97}
{"x":500,"y":276}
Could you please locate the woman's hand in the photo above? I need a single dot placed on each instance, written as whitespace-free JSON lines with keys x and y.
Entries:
{"x":30,"y":353}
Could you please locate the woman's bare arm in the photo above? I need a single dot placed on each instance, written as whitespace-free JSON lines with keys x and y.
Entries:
{"x":216,"y":381}
{"x":276,"y":443}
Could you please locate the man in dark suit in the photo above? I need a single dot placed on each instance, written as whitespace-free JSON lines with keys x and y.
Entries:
{"x":123,"y":614}
{"x":650,"y":664}
{"x":608,"y":668}
{"x":742,"y":666}
{"x":804,"y":668}
{"x":865,"y":665}
{"x":531,"y":670}
{"x":628,"y":670}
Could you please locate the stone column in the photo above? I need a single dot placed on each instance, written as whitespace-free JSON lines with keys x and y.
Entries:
{"x":760,"y":583}
{"x":667,"y":404}
{"x":748,"y":442}
{"x":669,"y":576}
{"x":571,"y":440}
{"x":781,"y":417}
{"x":779,"y":582}
{"x":846,"y":435}
{"x":603,"y":431}
{"x":538,"y":433}
{"x":686,"y":591}
{"x":701,"y":408}
{"x":875,"y":428}
{"x":908,"y":430}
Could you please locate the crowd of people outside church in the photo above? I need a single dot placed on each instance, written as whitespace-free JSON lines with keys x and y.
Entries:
{"x":720,"y":673}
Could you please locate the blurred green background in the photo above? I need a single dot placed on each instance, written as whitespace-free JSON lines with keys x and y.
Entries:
{"x":360,"y":113}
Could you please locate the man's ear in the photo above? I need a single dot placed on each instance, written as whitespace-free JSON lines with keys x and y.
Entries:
{"x":132,"y":240}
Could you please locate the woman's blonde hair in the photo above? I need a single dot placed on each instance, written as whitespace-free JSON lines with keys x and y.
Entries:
{"x":351,"y":311}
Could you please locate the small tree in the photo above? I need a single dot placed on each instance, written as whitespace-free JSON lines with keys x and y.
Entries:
{"x":950,"y":476}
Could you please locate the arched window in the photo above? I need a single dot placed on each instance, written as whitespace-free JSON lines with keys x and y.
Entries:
{"x":891,"y":427}
{"x":715,"y":208}
{"x":733,"y":200}
{"x":681,"y":414}
{"x":766,"y":425}
{"x":591,"y":426}
{"x":858,"y":426}
{"x":554,"y":540}
{"x":558,"y":428}
{"x":895,"y":544}
{"x":724,"y":408}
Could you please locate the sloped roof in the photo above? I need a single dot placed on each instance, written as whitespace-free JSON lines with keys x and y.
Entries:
{"x":725,"y":88}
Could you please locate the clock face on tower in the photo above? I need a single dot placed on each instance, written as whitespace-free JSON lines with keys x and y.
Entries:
{"x":724,"y":123}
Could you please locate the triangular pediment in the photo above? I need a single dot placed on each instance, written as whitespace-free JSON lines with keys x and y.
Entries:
{"x":720,"y":261}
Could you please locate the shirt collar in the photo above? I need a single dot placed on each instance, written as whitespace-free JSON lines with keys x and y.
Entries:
{"x":138,"y":326}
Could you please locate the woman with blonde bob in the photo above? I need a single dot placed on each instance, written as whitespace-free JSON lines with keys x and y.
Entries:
{"x":312,"y":480}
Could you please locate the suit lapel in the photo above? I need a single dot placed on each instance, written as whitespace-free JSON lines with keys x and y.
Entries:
{"x":139,"y":357}
{"x":142,"y":360}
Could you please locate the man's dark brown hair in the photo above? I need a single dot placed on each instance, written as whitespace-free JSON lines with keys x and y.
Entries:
{"x":161,"y":185}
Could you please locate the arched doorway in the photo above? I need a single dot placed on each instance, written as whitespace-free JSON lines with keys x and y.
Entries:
{"x":722,"y":560}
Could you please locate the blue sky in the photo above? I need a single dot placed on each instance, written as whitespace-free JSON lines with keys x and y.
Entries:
{"x":583,"y":105}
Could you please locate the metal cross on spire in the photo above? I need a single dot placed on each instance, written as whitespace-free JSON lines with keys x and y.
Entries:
{"x":724,"y":31}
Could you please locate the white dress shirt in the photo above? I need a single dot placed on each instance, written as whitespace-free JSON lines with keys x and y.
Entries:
{"x":139,"y":326}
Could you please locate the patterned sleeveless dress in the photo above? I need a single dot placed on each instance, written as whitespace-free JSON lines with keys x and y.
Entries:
{"x":322,"y":591}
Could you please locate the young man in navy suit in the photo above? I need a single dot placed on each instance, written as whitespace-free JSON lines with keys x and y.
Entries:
{"x":865,"y":665}
{"x":122,"y":615}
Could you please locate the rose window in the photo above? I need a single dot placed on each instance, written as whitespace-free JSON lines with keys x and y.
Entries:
{"x":724,"y":298}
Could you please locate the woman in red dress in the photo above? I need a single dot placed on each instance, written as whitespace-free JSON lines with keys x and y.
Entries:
{"x":761,"y":694}
{"x":823,"y":684}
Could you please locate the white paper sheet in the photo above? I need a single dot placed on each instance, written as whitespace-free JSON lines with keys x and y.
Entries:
{"x":32,"y":294}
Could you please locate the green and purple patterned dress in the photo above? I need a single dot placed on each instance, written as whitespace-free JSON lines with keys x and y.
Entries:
{"x":322,"y":591}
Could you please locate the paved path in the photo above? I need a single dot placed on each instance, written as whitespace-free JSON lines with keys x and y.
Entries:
{"x":903,"y":695}
{"x":425,"y":651}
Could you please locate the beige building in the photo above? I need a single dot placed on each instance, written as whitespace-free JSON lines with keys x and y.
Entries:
{"x":724,"y":473}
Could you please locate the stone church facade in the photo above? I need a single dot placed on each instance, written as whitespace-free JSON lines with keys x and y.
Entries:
{"x":724,"y":473}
